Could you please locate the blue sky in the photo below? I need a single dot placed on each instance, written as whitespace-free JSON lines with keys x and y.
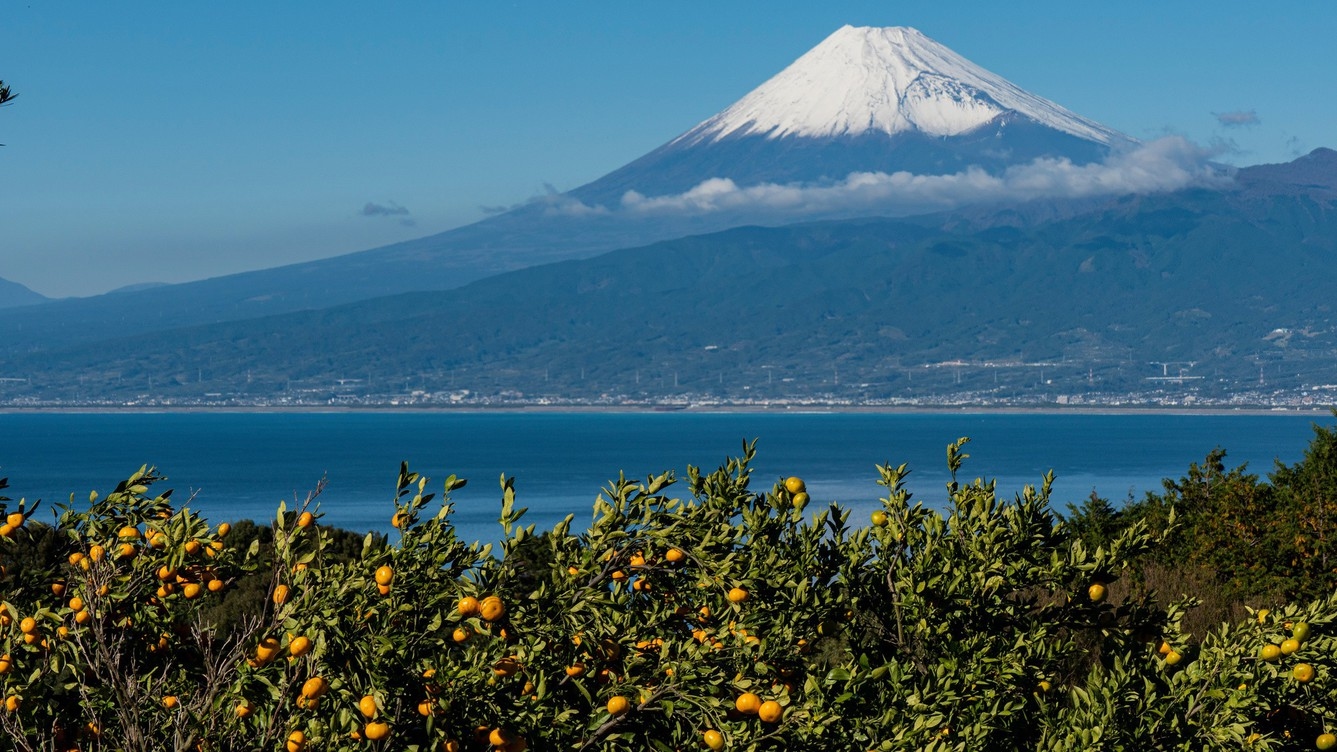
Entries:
{"x":168,"y":142}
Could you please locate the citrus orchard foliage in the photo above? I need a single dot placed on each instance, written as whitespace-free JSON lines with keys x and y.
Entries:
{"x":1257,"y":539}
{"x":706,"y":616}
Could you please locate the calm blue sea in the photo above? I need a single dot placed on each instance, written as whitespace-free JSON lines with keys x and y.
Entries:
{"x":240,"y":465}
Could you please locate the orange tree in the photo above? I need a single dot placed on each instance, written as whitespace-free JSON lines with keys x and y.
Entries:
{"x":720,"y":618}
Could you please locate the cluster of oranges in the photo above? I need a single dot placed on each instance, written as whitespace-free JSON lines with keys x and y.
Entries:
{"x":13,"y":521}
{"x":1273,"y":653}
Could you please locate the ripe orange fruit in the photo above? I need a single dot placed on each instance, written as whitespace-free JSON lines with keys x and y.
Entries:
{"x":192,"y":547}
{"x":492,"y":608}
{"x":170,"y":702}
{"x":770,"y":712}
{"x":1096,"y":592}
{"x":425,"y":708}
{"x":385,"y":575}
{"x":83,"y":617}
{"x":13,"y":703}
{"x":1270,"y":653}
{"x":216,"y":585}
{"x":573,"y":571}
{"x":57,"y":589}
{"x":267,"y":650}
{"x":737,"y":595}
{"x":244,"y":709}
{"x":224,"y":529}
{"x":28,"y":625}
{"x":6,"y":663}
{"x":296,"y":741}
{"x":637,"y":559}
{"x":461,"y":634}
{"x":499,"y":737}
{"x":795,"y":485}
{"x":280,"y":595}
{"x":618,"y":575}
{"x":713,"y":739}
{"x":191,"y":590}
{"x":383,"y":589}
{"x":506,"y":666}
{"x":158,"y":540}
{"x":398,"y":519}
{"x":97,"y":553}
{"x":468,"y":606}
{"x":367,"y":705}
{"x":129,"y":532}
{"x":1302,"y":672}
{"x":575,"y":669}
{"x":15,"y":519}
{"x":315,"y":687}
{"x":299,"y":646}
{"x":1172,"y":658}
{"x":617,"y":705}
{"x":6,"y":530}
{"x":1289,"y":646}
{"x":75,"y":558}
{"x":305,"y":519}
{"x":1325,"y":741}
{"x":375,"y":731}
{"x":674,"y":555}
{"x":747,"y":703}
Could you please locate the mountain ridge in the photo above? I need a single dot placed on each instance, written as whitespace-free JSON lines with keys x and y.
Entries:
{"x":14,"y":295}
{"x":853,"y":310}
{"x":591,"y":219}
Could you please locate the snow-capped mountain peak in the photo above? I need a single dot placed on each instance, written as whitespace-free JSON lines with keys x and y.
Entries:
{"x":890,"y":80}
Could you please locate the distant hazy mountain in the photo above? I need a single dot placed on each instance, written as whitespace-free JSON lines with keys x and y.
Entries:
{"x":13,"y":294}
{"x":864,"y":100}
{"x":1223,"y":286}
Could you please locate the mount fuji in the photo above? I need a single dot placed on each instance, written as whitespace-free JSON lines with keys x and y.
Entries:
{"x":865,"y":100}
{"x":889,"y":103}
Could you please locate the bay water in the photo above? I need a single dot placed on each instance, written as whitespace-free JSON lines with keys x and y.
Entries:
{"x":236,"y":466}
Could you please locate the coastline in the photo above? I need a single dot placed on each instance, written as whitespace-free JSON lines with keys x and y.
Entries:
{"x":805,"y":409}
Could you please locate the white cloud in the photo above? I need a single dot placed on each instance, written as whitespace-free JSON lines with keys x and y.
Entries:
{"x":1166,"y":164}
